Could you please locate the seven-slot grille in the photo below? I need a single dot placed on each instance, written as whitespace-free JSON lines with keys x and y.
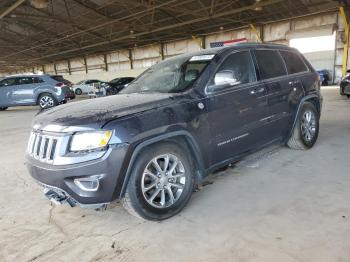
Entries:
{"x":42,"y":147}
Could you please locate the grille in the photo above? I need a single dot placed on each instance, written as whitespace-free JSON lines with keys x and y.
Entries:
{"x":42,"y":147}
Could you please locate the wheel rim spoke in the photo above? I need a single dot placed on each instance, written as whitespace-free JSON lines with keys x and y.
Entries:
{"x":162,"y":198}
{"x":150,"y":174}
{"x":173,"y":167}
{"x":154,"y":195}
{"x":163,"y":181}
{"x":146,"y":189}
{"x":166,"y":163}
{"x":177,"y":185}
{"x":171,"y":195}
{"x":156,"y":165}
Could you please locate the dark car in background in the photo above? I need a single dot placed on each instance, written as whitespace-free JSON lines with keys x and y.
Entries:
{"x":117,"y":84}
{"x":179,"y":121}
{"x":324,"y":76}
{"x":43,"y":90}
{"x":345,"y":85}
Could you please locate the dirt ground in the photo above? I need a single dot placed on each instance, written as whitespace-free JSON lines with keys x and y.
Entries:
{"x":277,"y":205}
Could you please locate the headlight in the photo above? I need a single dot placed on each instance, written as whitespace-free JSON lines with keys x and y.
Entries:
{"x":90,"y":140}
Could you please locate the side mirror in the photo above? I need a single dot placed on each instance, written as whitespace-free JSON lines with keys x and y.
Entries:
{"x":226,"y":77}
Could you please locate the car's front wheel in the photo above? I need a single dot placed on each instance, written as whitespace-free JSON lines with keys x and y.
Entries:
{"x":306,"y":128}
{"x":3,"y":108}
{"x":161,"y":182}
{"x":47,"y":101}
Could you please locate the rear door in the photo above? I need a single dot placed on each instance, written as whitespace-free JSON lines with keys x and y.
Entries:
{"x":6,"y":91}
{"x":236,"y":110}
{"x":24,"y":91}
{"x":273,"y":73}
{"x":299,"y":77}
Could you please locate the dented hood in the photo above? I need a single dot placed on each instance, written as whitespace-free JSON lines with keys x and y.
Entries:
{"x":94,"y":113}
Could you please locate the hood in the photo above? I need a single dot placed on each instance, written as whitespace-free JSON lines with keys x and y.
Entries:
{"x":94,"y":113}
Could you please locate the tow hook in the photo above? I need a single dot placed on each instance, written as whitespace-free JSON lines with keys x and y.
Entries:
{"x":58,"y":198}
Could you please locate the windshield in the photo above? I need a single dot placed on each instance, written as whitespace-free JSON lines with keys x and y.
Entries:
{"x":115,"y":80}
{"x":170,"y":76}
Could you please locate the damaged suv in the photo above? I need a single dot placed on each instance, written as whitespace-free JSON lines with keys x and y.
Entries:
{"x":179,"y":121}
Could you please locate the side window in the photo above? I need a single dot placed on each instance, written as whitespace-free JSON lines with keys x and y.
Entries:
{"x":270,"y":64}
{"x":8,"y":82}
{"x":88,"y":82}
{"x":37,"y":80}
{"x":293,"y":62}
{"x":25,"y":80}
{"x":237,"y":68}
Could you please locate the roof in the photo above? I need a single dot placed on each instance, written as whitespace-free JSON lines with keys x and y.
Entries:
{"x":35,"y":35}
{"x":27,"y":75}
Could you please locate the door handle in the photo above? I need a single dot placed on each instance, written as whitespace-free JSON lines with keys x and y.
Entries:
{"x":257,"y":91}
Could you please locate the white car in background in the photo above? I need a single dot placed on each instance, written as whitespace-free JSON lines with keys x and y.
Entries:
{"x":86,"y":86}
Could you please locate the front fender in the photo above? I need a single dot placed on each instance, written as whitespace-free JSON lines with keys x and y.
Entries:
{"x":192,"y":143}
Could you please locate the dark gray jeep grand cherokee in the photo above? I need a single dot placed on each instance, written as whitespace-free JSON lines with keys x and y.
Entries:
{"x":176,"y":123}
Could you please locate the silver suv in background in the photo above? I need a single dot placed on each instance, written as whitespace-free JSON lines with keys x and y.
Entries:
{"x":43,"y":90}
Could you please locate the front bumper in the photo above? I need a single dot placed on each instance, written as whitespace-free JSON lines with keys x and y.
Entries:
{"x":61,"y":178}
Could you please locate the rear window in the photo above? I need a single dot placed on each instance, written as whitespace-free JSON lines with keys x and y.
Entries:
{"x":293,"y":62}
{"x":270,"y":64}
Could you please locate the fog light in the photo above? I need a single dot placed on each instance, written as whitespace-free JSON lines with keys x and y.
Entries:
{"x":90,"y":183}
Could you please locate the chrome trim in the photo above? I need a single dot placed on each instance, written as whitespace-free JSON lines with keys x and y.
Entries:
{"x":96,"y":178}
{"x":55,"y":151}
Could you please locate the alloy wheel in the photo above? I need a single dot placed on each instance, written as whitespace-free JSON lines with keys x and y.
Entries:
{"x":163,"y":181}
{"x":308,"y":125}
{"x":46,"y":102}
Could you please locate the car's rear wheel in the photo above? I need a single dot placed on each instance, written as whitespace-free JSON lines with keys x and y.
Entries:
{"x":306,"y":128}
{"x":161,"y":182}
{"x":78,"y":91}
{"x":3,"y":108}
{"x":46,"y":101}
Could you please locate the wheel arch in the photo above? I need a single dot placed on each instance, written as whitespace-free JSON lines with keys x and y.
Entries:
{"x":182,"y":138}
{"x":312,"y":98}
{"x":42,"y":93}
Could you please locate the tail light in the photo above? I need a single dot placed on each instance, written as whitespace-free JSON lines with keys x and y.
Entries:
{"x":60,"y":84}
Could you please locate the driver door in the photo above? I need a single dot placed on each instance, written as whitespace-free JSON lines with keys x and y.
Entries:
{"x":237,"y":108}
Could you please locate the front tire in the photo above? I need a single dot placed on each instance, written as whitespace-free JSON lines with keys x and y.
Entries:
{"x":161,"y":182}
{"x":3,"y":108}
{"x":46,"y":101}
{"x":306,"y":128}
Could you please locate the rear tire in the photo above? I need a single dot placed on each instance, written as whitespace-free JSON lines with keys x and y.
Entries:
{"x":161,"y":182}
{"x":78,"y":91}
{"x":3,"y":108}
{"x":46,"y":101}
{"x":306,"y":128}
